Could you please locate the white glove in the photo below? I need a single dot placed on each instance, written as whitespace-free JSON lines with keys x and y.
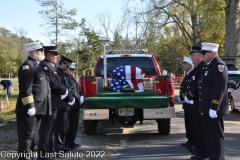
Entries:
{"x":180,"y":100}
{"x":213,"y":113}
{"x":31,"y":111}
{"x":188,"y":101}
{"x":81,"y":100}
{"x":71,"y":103}
{"x":65,"y":95}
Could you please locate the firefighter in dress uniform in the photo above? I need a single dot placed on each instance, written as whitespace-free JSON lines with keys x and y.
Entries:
{"x":200,"y":151}
{"x":45,"y":144}
{"x":34,"y":99}
{"x":187,"y":67}
{"x":213,"y":99}
{"x":62,"y":120}
{"x":75,"y":109}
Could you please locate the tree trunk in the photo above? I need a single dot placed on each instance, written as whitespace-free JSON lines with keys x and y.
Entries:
{"x":232,"y":28}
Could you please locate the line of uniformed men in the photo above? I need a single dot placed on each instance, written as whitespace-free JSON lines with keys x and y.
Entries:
{"x":204,"y":92}
{"x":49,"y":100}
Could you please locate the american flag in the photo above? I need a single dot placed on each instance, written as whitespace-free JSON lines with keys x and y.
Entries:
{"x":127,"y":75}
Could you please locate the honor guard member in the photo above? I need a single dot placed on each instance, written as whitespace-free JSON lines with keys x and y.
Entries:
{"x":200,"y":150}
{"x":61,"y":126}
{"x":187,"y":67}
{"x":213,"y":99}
{"x":34,"y":99}
{"x":45,"y":144}
{"x":75,"y":109}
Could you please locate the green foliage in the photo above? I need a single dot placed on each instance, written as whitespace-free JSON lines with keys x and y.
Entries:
{"x":57,"y":18}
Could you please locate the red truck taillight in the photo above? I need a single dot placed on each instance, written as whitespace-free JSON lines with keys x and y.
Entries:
{"x":164,"y":86}
{"x":170,"y":91}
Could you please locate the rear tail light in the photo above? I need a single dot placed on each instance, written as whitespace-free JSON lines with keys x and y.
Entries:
{"x":170,"y":91}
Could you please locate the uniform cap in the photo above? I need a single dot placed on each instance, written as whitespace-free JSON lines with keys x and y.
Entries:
{"x":51,"y":49}
{"x":33,"y":46}
{"x":187,"y":60}
{"x":65,"y":59}
{"x":209,"y":47}
{"x":195,"y":49}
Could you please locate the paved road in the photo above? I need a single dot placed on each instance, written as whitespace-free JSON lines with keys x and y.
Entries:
{"x":142,"y":142}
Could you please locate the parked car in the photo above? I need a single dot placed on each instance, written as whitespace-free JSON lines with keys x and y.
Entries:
{"x":235,"y":98}
{"x":233,"y":79}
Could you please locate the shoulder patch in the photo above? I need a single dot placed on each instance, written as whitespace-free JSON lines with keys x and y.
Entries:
{"x":221,"y":68}
{"x":45,"y":68}
{"x":25,"y":67}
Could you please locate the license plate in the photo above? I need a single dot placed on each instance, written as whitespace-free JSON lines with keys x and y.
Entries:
{"x":126,"y":112}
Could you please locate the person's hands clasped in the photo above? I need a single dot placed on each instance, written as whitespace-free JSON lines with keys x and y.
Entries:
{"x":71,"y":103}
{"x":188,"y":101}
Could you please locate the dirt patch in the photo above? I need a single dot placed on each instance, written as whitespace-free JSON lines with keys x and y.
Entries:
{"x":99,"y":146}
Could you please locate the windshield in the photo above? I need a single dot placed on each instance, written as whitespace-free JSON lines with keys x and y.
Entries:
{"x":145,"y":63}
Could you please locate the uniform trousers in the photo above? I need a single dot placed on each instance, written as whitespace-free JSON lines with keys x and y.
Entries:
{"x":27,"y":128}
{"x":189,"y":125}
{"x":73,"y":126}
{"x":45,"y":134}
{"x":60,"y":130}
{"x":215,"y":136}
{"x":200,"y":136}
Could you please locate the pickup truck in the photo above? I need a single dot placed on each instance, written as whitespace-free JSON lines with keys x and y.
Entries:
{"x":154,"y":102}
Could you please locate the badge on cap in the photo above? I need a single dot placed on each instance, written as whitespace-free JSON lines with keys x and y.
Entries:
{"x":221,"y":68}
{"x":25,"y":67}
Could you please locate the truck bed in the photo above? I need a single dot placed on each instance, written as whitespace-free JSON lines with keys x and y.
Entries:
{"x":138,"y":100}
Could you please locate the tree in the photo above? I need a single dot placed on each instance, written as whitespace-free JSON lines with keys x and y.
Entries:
{"x":57,"y":18}
{"x":232,"y":28}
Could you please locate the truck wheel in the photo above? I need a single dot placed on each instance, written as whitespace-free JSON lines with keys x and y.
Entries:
{"x":164,"y":126}
{"x":90,"y":127}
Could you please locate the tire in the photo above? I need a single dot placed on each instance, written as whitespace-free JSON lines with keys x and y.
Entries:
{"x":164,"y":126}
{"x":232,"y":105}
{"x":90,"y":127}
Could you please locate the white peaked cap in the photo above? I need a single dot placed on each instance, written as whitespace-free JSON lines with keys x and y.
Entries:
{"x":209,"y":46}
{"x":33,"y":46}
{"x":187,"y":60}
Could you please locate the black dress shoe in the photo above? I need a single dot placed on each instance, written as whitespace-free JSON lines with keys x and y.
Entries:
{"x":75,"y":145}
{"x":68,"y":149}
{"x":195,"y":157}
{"x":185,"y":144}
{"x":192,"y":149}
{"x":195,"y":153}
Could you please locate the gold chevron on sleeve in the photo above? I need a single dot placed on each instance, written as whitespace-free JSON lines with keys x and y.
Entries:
{"x":27,"y":100}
